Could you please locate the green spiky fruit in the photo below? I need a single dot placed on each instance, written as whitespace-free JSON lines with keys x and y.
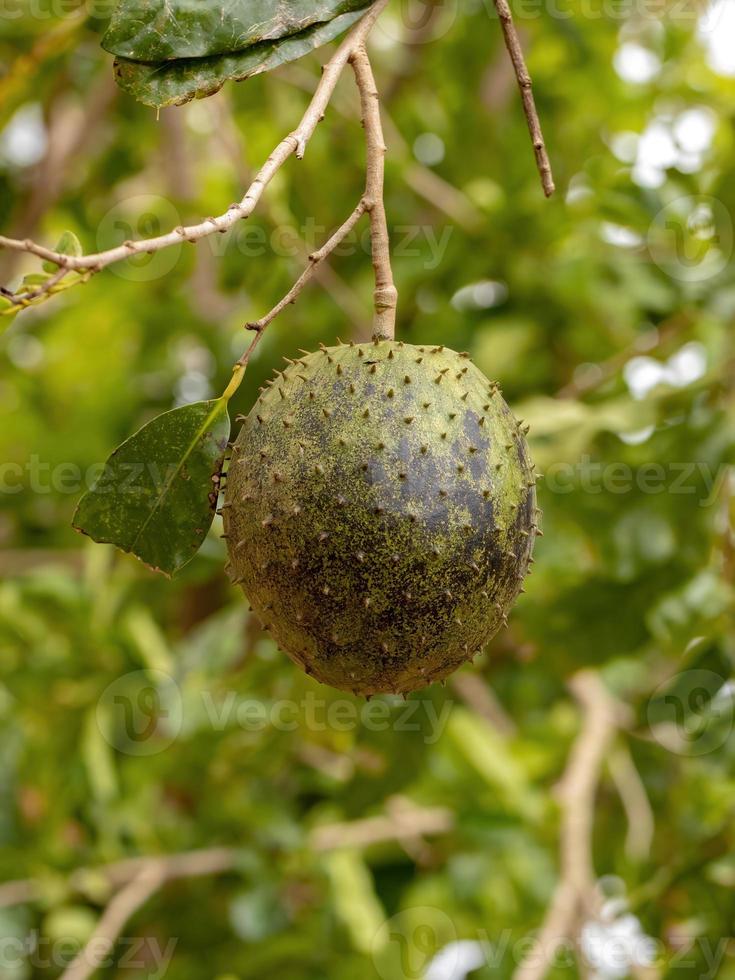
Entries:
{"x":380,"y":513}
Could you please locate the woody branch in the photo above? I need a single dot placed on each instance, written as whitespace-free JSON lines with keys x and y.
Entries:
{"x":371,"y":202}
{"x":295,"y":143}
{"x":351,"y":50}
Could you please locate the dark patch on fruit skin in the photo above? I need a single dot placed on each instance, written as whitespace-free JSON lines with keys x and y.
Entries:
{"x":380,"y":530}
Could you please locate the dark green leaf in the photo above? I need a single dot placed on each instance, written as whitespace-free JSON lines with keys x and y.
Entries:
{"x":177,"y":82}
{"x":165,"y":30}
{"x":156,"y":496}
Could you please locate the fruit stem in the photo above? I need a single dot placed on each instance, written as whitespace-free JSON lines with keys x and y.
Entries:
{"x":238,"y":373}
{"x":385,"y":296}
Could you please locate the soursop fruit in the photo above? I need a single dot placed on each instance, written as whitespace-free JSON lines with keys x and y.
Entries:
{"x":380,"y":513}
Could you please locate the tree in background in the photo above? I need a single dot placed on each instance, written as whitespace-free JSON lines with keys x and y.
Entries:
{"x":167,"y":778}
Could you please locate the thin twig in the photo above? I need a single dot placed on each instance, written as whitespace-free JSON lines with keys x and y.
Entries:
{"x":385,"y":295}
{"x":47,"y":287}
{"x":414,"y":819}
{"x":314,"y":259}
{"x":371,"y":202}
{"x":515,"y":51}
{"x":575,"y":892}
{"x":403,"y":821}
{"x":25,"y":297}
{"x":633,"y":796}
{"x":121,"y":908}
{"x":338,"y":289}
{"x":139,"y":878}
{"x":295,"y":143}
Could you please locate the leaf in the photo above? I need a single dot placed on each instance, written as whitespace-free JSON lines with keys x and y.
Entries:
{"x":28,"y":286}
{"x":8,"y":310}
{"x":148,"y":639}
{"x":98,"y":760}
{"x":355,"y":900}
{"x":155,"y":497}
{"x":30,"y":293}
{"x":33,"y":279}
{"x":177,"y":82}
{"x":490,"y":755}
{"x":68,"y":244}
{"x":166,"y":30}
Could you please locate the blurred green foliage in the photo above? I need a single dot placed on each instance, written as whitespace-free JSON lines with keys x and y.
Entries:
{"x":607,"y":316}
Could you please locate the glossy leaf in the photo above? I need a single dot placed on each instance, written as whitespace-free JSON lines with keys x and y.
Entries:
{"x":157,"y":494}
{"x":159,"y":30}
{"x":177,"y":82}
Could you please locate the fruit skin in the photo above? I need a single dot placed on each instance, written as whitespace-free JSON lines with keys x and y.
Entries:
{"x":380,"y":513}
